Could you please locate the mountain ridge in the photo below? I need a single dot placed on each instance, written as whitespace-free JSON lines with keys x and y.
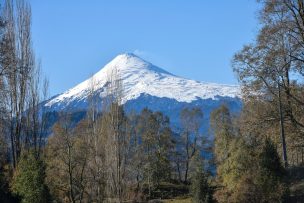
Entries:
{"x":141,"y":77}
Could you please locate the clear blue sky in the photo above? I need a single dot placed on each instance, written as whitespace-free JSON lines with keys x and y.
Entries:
{"x":195,"y":39}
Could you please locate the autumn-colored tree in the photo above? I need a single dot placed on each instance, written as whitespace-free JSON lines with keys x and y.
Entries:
{"x":66,"y":159}
{"x":265,"y":70}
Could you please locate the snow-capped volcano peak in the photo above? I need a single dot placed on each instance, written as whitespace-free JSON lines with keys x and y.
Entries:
{"x":130,"y":62}
{"x":141,"y":77}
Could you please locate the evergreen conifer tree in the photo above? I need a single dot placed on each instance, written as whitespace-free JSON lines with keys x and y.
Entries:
{"x":28,"y":180}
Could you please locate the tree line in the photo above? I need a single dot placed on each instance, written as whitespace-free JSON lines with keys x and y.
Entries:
{"x":114,"y":156}
{"x":108,"y":156}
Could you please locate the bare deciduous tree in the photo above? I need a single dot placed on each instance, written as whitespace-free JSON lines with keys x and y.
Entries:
{"x":191,"y":121}
{"x":20,"y":77}
{"x":114,"y":125}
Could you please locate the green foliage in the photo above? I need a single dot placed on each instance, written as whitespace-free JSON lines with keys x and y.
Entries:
{"x":251,"y":174}
{"x":269,"y":160}
{"x":221,"y":125}
{"x":263,"y":180}
{"x":201,"y":190}
{"x":28,"y":180}
{"x":232,"y":171}
{"x":228,"y":148}
{"x":156,"y":145}
{"x":236,"y":164}
{"x":246,"y":171}
{"x":270,"y":174}
{"x":5,"y":173}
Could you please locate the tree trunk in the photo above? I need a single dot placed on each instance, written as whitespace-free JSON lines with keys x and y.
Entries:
{"x":282,"y":132}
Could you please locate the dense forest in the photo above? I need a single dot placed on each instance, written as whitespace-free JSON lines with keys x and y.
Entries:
{"x":256,"y":155}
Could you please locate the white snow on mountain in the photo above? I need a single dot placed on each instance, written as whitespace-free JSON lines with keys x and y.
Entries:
{"x":141,"y":77}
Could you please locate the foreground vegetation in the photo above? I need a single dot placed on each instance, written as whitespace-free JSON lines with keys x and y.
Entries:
{"x":114,"y":156}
